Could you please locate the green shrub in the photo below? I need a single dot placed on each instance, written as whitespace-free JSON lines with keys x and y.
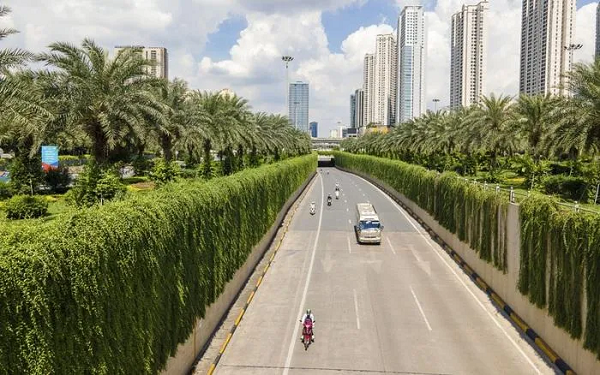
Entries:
{"x":95,"y":186}
{"x":25,"y":174}
{"x":5,"y":190}
{"x":114,"y":289}
{"x":164,"y":172}
{"x":25,"y":207}
{"x":573,"y":188}
{"x":57,"y":180}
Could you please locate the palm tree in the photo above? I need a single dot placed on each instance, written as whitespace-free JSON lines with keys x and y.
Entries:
{"x":107,"y":99}
{"x":577,"y":128}
{"x":173,"y":96}
{"x":534,"y":119}
{"x":491,"y":128}
{"x":11,"y":58}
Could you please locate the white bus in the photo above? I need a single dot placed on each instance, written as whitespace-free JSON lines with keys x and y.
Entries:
{"x":368,"y":228}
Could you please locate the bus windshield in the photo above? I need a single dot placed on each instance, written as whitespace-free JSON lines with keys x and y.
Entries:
{"x":366,"y":225}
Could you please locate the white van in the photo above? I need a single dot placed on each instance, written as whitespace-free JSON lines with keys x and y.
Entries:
{"x":368,"y":228}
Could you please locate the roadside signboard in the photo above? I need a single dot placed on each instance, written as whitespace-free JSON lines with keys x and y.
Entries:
{"x":49,"y":157}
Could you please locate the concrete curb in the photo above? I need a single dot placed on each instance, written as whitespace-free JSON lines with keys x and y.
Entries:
{"x":240,"y":316}
{"x":499,"y":302}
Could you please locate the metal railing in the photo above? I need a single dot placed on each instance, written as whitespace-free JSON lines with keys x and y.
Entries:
{"x":512,"y":195}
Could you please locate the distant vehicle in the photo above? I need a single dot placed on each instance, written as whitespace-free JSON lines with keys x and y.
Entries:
{"x":368,"y":227}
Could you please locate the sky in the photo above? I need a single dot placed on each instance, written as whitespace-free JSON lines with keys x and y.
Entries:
{"x":238,"y":44}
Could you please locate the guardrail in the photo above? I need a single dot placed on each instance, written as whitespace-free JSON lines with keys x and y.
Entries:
{"x":512,"y":195}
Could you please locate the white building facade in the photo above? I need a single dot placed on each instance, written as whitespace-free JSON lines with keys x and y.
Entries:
{"x":368,"y":88}
{"x":411,"y":63}
{"x":384,"y":103}
{"x":298,"y":105}
{"x":158,"y":56}
{"x":468,"y":55}
{"x":547,"y":32}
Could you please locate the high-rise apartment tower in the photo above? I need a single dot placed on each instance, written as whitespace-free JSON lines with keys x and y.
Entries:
{"x":411,"y":63}
{"x":298,"y":105}
{"x":158,"y":56}
{"x":384,"y":101}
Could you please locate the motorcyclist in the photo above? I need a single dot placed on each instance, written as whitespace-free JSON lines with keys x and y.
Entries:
{"x":313,"y":206}
{"x":337,"y":186}
{"x":329,"y":198}
{"x":309,"y":315}
{"x":337,"y":194}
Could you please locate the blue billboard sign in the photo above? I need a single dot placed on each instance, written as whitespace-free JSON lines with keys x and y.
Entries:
{"x":49,"y":157}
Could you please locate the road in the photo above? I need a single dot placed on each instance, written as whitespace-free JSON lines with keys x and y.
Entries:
{"x":402,"y":307}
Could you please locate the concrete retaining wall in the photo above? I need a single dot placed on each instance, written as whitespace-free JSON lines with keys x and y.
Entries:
{"x":505,"y":285}
{"x":204,"y":328}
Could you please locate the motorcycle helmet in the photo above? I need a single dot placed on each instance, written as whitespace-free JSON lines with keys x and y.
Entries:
{"x":308,"y":312}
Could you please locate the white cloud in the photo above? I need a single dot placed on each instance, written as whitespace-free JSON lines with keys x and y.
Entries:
{"x":274,"y":28}
{"x":586,"y":33}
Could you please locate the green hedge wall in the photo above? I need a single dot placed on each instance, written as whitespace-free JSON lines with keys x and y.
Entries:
{"x":563,"y":247}
{"x":115,"y":289}
{"x":460,"y":207}
{"x":558,"y":246}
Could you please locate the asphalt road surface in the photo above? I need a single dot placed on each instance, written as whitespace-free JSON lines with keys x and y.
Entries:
{"x":403,"y":307}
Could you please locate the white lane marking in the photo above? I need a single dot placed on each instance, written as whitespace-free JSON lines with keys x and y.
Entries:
{"x":411,"y":247}
{"x":347,"y":209}
{"x":420,"y":309}
{"x":345,"y":201}
{"x":391,"y":246}
{"x":349,"y":221}
{"x":356,"y":309}
{"x":293,"y":340}
{"x":349,"y":244}
{"x":437,"y":252}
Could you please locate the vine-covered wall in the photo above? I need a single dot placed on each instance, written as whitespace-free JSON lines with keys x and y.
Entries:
{"x":115,"y":289}
{"x":464,"y":209}
{"x":559,"y":249}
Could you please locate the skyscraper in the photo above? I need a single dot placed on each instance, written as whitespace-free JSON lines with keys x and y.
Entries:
{"x":598,"y":30}
{"x":352,"y":110}
{"x":298,"y":105}
{"x":547,"y":31}
{"x":360,"y":107}
{"x":384,"y":101}
{"x":314,"y":129}
{"x":158,"y":56}
{"x":369,"y":88}
{"x":411,"y":63}
{"x":468,"y":55}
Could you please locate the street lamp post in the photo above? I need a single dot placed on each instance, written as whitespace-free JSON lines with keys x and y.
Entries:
{"x":287,"y":60}
{"x":570,"y":48}
{"x":435,"y":102}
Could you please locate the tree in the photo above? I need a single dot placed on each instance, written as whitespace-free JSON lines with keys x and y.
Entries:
{"x":173,"y":96}
{"x":107,"y":99}
{"x":577,"y":128}
{"x":11,"y":58}
{"x":491,"y":128}
{"x":534,"y":116}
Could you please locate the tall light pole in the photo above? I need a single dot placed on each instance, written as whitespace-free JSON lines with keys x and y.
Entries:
{"x":435,"y":102}
{"x":569,"y":48}
{"x":287,"y":60}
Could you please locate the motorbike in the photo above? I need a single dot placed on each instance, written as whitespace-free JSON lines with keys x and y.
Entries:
{"x":307,"y":333}
{"x":329,"y":201}
{"x":312,"y":210}
{"x":337,"y":194}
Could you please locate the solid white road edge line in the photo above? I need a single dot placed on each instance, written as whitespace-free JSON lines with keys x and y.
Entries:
{"x":437,"y":252}
{"x":356,"y":309}
{"x":420,"y":309}
{"x":390,"y":243}
{"x":293,"y":340}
